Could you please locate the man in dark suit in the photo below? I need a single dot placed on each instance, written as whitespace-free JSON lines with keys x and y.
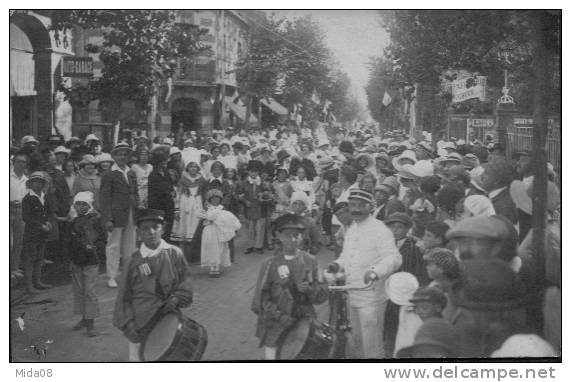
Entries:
{"x":496,"y":179}
{"x":118,"y":199}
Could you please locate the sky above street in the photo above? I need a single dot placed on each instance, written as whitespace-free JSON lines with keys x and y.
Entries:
{"x":354,"y":36}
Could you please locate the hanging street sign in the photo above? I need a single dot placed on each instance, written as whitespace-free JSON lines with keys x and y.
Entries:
{"x":77,"y":67}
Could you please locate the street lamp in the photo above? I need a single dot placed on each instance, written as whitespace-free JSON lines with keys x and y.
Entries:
{"x":504,"y":54}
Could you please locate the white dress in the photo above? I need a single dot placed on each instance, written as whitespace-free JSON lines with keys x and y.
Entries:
{"x":189,"y":209}
{"x":219,"y":227}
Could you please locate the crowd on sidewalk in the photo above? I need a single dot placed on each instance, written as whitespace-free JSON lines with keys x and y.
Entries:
{"x":447,"y":225}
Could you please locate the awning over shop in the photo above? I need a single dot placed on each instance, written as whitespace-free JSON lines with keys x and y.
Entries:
{"x":239,"y":111}
{"x":274,"y":106}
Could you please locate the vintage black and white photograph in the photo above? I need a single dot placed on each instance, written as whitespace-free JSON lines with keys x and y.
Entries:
{"x":285,"y":185}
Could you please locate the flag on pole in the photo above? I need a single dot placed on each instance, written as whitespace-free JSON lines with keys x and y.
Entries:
{"x":326,"y":106}
{"x":315,"y":97}
{"x":387,"y":99}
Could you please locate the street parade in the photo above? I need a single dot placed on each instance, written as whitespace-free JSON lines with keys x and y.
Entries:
{"x":275,"y":229}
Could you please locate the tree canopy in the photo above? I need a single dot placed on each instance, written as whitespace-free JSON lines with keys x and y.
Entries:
{"x":429,"y":46}
{"x":140,"y":48}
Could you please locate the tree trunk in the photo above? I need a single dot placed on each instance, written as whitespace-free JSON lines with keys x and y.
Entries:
{"x":542,"y":69}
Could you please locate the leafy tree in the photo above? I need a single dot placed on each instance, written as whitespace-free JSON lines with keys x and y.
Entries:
{"x":140,"y":49}
{"x":427,"y":43}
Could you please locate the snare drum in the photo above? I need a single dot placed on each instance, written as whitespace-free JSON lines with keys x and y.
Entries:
{"x":174,"y":338}
{"x":308,"y":339}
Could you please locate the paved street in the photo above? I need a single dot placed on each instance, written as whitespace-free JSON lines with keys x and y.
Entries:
{"x":221,"y":305}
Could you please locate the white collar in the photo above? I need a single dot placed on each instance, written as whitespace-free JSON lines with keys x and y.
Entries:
{"x":41,"y":197}
{"x":147,"y":252}
{"x":496,"y":192}
{"x":13,"y":173}
{"x":220,"y":179}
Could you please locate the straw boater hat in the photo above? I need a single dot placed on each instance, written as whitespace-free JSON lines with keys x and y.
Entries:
{"x":121,"y":146}
{"x":61,"y":150}
{"x":361,"y":195}
{"x":37,"y":175}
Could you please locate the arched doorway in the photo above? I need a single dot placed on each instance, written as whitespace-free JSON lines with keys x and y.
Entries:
{"x":187,"y":112}
{"x":30,"y":77}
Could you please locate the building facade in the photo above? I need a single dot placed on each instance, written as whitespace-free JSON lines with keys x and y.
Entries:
{"x":36,"y":57}
{"x":196,"y":100}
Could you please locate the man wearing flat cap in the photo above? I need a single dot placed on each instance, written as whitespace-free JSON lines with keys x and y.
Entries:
{"x":364,"y":261}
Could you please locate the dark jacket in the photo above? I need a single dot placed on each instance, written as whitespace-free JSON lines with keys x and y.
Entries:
{"x":390,"y":207}
{"x":117,"y":198}
{"x":249,"y":194}
{"x":504,"y":205}
{"x":141,"y":295}
{"x":34,"y":215}
{"x":278,"y":303}
{"x":161,"y":194}
{"x":87,"y":230}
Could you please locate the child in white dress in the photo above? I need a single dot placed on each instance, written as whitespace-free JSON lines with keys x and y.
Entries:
{"x":220,"y":227}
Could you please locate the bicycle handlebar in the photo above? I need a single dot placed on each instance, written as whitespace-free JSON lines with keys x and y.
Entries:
{"x":341,"y":288}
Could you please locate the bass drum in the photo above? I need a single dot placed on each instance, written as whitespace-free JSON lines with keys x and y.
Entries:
{"x":174,"y":338}
{"x":308,"y":339}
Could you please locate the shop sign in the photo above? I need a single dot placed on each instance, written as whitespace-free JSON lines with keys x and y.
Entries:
{"x":77,"y":67}
{"x":468,"y":88}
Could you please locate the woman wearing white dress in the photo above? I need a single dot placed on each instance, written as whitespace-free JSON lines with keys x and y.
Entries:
{"x":189,"y":204}
{"x":142,"y":170}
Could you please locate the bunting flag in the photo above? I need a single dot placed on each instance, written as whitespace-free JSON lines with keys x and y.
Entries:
{"x":387,"y":99}
{"x":326,"y":106}
{"x":315,"y":98}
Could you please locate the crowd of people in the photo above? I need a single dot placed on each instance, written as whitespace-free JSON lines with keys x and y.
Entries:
{"x":447,"y":229}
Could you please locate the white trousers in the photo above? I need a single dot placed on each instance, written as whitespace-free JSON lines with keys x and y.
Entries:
{"x":368,"y":324}
{"x":121,"y":243}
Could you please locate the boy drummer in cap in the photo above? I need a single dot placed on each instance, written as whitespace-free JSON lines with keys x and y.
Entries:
{"x":156,"y":281}
{"x":288,"y":286}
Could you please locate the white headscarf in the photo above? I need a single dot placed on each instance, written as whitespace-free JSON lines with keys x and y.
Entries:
{"x":301,"y":196}
{"x":86,"y":197}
